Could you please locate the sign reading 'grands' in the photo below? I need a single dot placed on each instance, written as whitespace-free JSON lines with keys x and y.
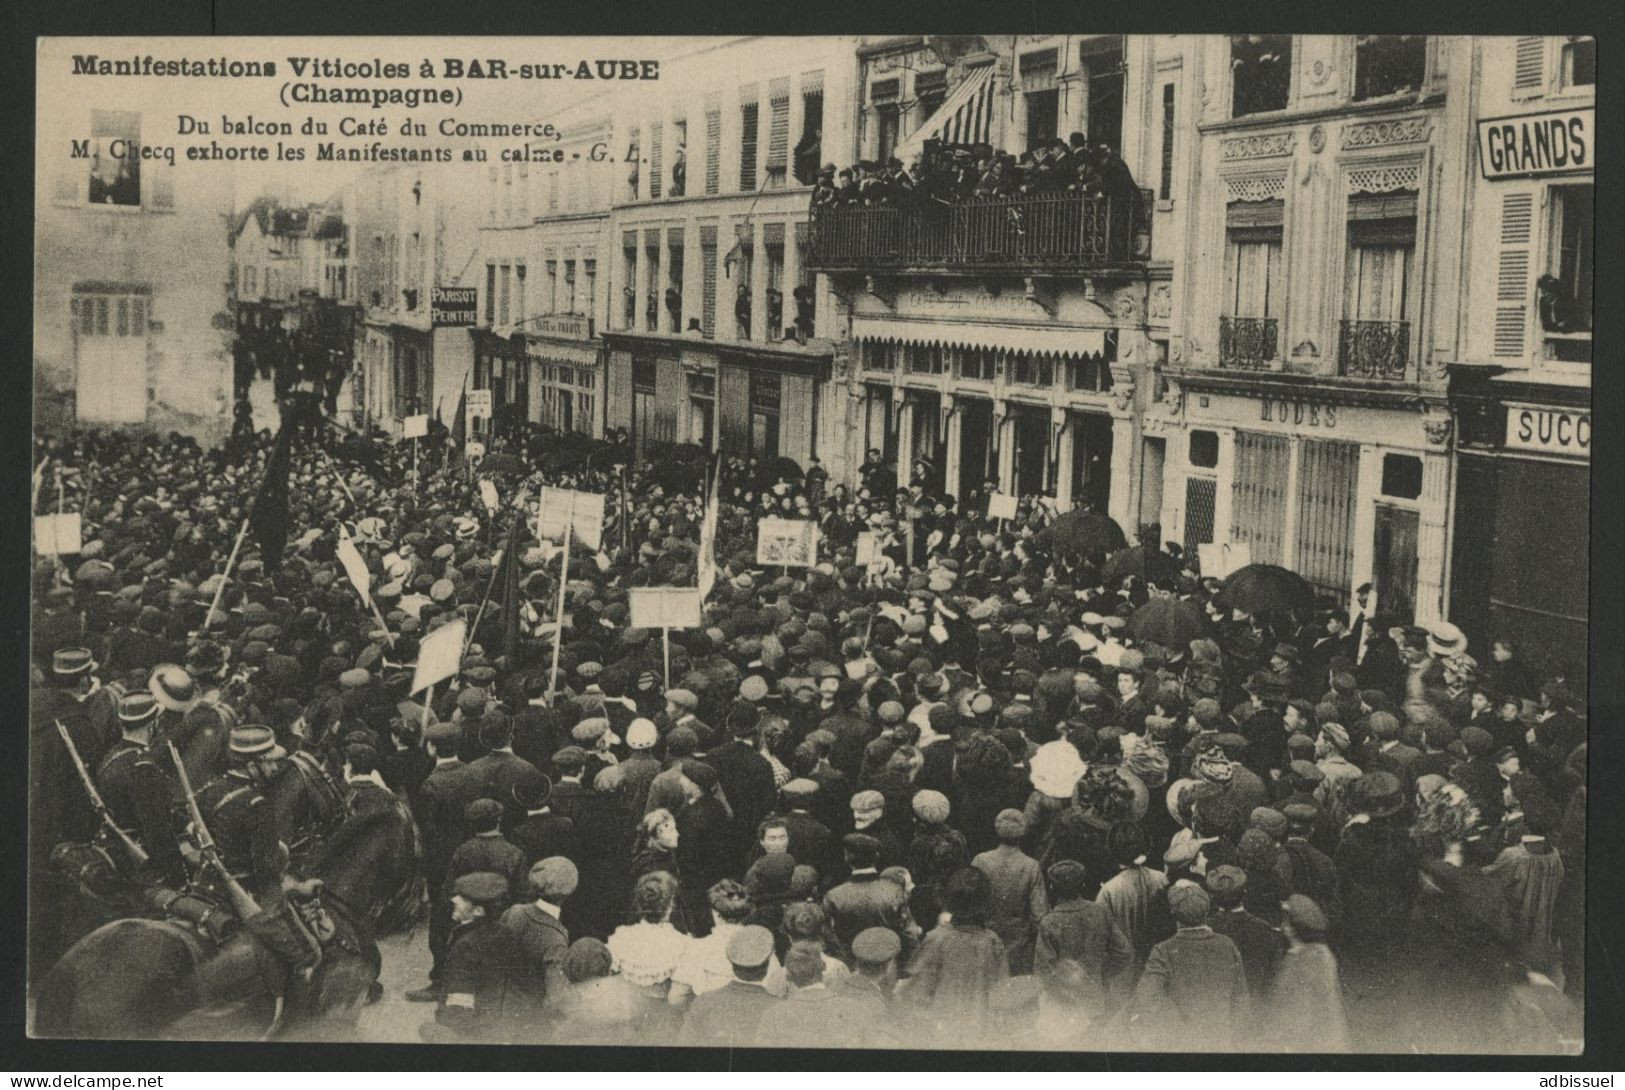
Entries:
{"x":1557,"y":142}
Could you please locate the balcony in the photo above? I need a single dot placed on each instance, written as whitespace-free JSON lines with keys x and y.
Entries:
{"x":1057,"y":232}
{"x":1248,"y":344}
{"x":1374,"y":350}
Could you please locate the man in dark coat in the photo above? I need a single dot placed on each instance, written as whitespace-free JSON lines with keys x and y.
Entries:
{"x":745,"y":775}
{"x":729,"y":1015}
{"x":487,"y":850}
{"x":442,"y":801}
{"x":541,"y":833}
{"x":482,"y":962}
{"x":539,"y":936}
{"x":1082,"y":954}
{"x":1259,"y":944}
{"x":705,"y":842}
{"x":137,"y":792}
{"x":499,"y":770}
{"x":1314,"y":874}
{"x":1193,"y":992}
{"x":865,"y":899}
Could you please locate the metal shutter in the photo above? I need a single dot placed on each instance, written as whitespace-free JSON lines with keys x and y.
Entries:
{"x":1512,"y":275}
{"x":713,"y":147}
{"x":655,"y":135}
{"x":733,"y":408}
{"x":1201,"y":494}
{"x":708,"y":280}
{"x":670,"y":393}
{"x":1258,"y":494}
{"x":796,"y":417}
{"x":1328,"y":477}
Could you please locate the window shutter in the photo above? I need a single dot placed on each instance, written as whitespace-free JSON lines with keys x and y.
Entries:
{"x":654,"y":161}
{"x":713,"y":147}
{"x":1529,"y":67}
{"x":1512,"y":275}
{"x":778,"y":132}
{"x":708,"y":280}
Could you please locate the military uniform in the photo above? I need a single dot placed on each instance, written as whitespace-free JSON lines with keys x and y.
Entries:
{"x":243,"y":826}
{"x":138,"y":796}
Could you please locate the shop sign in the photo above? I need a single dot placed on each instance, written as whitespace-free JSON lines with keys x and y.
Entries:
{"x":1313,"y":414}
{"x":1550,"y":431}
{"x":453,"y":306}
{"x":1555,"y":142}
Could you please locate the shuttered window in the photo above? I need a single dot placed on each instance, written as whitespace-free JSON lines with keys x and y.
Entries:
{"x":1512,"y":275}
{"x":1258,"y":494}
{"x":1165,"y":187}
{"x":708,"y":280}
{"x":1328,"y":478}
{"x":778,"y":134}
{"x":655,"y":137}
{"x":1528,"y":67}
{"x":747,"y":147}
{"x":713,"y":147}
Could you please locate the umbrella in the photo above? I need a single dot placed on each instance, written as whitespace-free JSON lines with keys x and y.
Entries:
{"x":1172,"y":622}
{"x":1084,"y":533}
{"x":501,"y":462}
{"x":1151,"y":565}
{"x":1266,"y":588}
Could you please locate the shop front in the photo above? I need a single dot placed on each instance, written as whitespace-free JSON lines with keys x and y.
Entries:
{"x":500,"y":366}
{"x":1342,"y":484}
{"x":1521,"y":555}
{"x":563,"y":371}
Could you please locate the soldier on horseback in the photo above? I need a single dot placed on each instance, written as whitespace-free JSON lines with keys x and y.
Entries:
{"x":241,"y":818}
{"x":138,"y":794}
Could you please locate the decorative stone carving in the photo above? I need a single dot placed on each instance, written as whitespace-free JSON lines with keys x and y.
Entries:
{"x":1122,"y":389}
{"x":1264,"y":145}
{"x":1384,"y":178}
{"x":1176,"y":349}
{"x":1193,"y":348}
{"x":1255,"y":187}
{"x":1306,"y":350}
{"x":1317,"y":137}
{"x":1125,"y":306}
{"x":1173,"y":398}
{"x":1437,"y":429}
{"x":1042,"y":292}
{"x":1162,"y":302}
{"x":1318,"y":72}
{"x":1375,"y":134}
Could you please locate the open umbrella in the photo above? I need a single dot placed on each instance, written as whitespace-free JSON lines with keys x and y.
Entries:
{"x":1150,"y":564}
{"x":1172,"y":622}
{"x":1084,"y":533}
{"x":1266,"y":588}
{"x":501,"y":462}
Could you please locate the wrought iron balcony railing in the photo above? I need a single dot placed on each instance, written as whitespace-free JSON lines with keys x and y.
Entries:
{"x":1249,"y":344}
{"x":1378,"y":350}
{"x":1045,"y":231}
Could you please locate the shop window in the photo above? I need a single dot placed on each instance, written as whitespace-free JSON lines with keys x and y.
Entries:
{"x":115,"y":158}
{"x":879,"y":356}
{"x":1564,"y":291}
{"x":925,"y":359}
{"x":1260,"y":72}
{"x":977,"y":363}
{"x":1204,"y":450}
{"x":1580,"y":62}
{"x":1388,"y":64}
{"x":1401,"y":476}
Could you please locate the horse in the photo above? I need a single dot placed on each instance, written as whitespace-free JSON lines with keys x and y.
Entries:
{"x":152,"y":978}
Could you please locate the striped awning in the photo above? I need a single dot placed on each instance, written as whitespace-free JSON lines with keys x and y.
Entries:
{"x":1010,"y":337}
{"x":965,"y":117}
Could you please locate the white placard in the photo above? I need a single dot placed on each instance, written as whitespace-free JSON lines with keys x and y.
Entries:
{"x":665,"y":607}
{"x":440,"y":655}
{"x":355,"y":567}
{"x":1001,"y":505}
{"x":488,"y":495}
{"x":868,"y":548}
{"x":583,"y":512}
{"x":57,"y":535}
{"x":415,"y":427}
{"x":478,"y":407}
{"x":790,"y":543}
{"x":1218,"y":561}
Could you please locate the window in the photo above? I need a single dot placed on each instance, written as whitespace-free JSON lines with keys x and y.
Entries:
{"x":490,"y":293}
{"x":1401,"y":476}
{"x":679,"y":159}
{"x":708,"y":281}
{"x":109,"y":314}
{"x":1580,"y":62}
{"x":810,"y":146}
{"x":115,"y":158}
{"x":1261,"y":73}
{"x":713,"y":148}
{"x":1042,"y":98}
{"x":506,"y":282}
{"x":702,"y":400}
{"x":1375,"y":332}
{"x":552,"y":289}
{"x":883,"y":96}
{"x":778,"y":135}
{"x":1091,"y":373}
{"x":1032,"y":369}
{"x":632,"y":165}
{"x":1165,"y":187}
{"x":522,"y":194}
{"x":747,"y":147}
{"x":1564,"y":293}
{"x":673,"y":304}
{"x":1252,"y":267}
{"x":766,"y":391}
{"x":251,"y":280}
{"x":507,"y":192}
{"x":930,"y":90}
{"x":925,"y":359}
{"x":656,"y":153}
{"x":879,"y":356}
{"x":977,"y":363}
{"x":1204,"y":450}
{"x":569,"y":304}
{"x":629,"y":289}
{"x":589,"y":271}
{"x":519,"y":294}
{"x":1388,"y":64}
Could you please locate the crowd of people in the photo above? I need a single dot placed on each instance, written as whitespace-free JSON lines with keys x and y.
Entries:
{"x":940,"y":799}
{"x":951,"y":174}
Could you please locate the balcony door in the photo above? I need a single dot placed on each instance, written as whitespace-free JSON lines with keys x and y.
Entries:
{"x":1249,"y":328}
{"x":1394,"y":560}
{"x":1377,"y":285}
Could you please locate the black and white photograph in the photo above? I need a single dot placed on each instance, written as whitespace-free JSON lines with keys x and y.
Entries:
{"x":1107,"y":518}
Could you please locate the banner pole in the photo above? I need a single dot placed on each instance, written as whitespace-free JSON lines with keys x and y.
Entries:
{"x":428,"y":703}
{"x":558,"y":618}
{"x":231,"y":562}
{"x":665,"y":645}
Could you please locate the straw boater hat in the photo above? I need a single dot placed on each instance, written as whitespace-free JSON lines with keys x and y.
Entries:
{"x":1056,"y":768}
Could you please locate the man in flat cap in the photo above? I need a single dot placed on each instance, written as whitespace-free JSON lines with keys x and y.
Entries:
{"x":1193,"y":993}
{"x":729,"y":1015}
{"x":481,"y":963}
{"x":1019,"y":900}
{"x":866,"y":900}
{"x":1081,"y":956}
{"x":861,"y":1000}
{"x":539,"y":937}
{"x":442,"y":801}
{"x":1258,"y":943}
{"x":1303,"y":1009}
{"x":487,"y":849}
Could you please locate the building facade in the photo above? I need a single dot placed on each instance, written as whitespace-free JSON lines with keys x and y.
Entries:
{"x":977,"y":354}
{"x":414,"y":230}
{"x":1303,"y":412}
{"x":711,"y":314}
{"x":132,"y":266}
{"x":1521,"y":382}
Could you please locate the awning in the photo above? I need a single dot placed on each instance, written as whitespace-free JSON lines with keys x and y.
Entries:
{"x":965,"y":117}
{"x":1046,"y":339}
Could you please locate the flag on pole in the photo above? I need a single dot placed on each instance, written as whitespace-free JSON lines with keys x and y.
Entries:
{"x":511,"y":601}
{"x":355,"y":566}
{"x":706,"y":566}
{"x":268,"y":520}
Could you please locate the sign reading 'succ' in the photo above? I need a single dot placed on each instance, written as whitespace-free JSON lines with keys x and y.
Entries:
{"x":454,"y":306}
{"x":1556,"y":142}
{"x":1550,"y":430}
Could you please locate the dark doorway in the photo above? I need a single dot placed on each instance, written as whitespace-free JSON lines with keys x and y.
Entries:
{"x":975,"y":444}
{"x":1106,"y":99}
{"x":1091,"y":461}
{"x":1032,"y":451}
{"x":1394,"y":561}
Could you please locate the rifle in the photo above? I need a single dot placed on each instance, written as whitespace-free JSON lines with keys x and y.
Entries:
{"x":241,"y":900}
{"x":136,"y":851}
